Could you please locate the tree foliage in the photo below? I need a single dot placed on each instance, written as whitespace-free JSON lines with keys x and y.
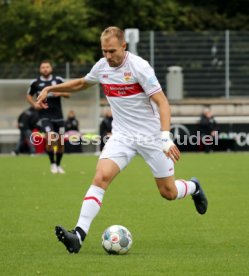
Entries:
{"x":168,"y":15}
{"x":213,"y":15}
{"x":68,"y":30}
{"x":55,"y":29}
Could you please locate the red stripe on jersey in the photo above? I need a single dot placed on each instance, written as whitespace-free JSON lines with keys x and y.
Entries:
{"x":93,"y":198}
{"x":122,"y":90}
{"x":186,"y":187}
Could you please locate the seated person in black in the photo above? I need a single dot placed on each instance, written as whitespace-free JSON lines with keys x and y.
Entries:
{"x":207,"y":126}
{"x":26,"y":121}
{"x":72,"y":132}
{"x":105,"y":128}
{"x":71,"y":123}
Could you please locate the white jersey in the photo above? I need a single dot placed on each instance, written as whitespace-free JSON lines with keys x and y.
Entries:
{"x":128,"y":89}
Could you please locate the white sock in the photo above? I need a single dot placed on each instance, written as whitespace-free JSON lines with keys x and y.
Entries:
{"x":184,"y":188}
{"x":90,"y":207}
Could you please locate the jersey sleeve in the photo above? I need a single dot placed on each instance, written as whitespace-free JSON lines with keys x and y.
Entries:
{"x":93,"y":76}
{"x":59,"y":80}
{"x":148,"y":80}
{"x":32,"y":88}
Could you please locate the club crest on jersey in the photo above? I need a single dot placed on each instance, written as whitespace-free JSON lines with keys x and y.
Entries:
{"x":127,"y":76}
{"x":54,"y":82}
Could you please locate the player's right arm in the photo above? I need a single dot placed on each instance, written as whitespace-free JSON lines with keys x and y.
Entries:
{"x":68,"y":86}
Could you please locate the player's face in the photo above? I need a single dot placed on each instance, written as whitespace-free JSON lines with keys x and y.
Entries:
{"x":45,"y":69}
{"x":113,"y":51}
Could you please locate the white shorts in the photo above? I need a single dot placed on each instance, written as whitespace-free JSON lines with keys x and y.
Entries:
{"x":121,"y":150}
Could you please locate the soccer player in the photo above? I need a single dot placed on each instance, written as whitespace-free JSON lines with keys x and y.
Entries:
{"x":51,"y":119}
{"x":141,"y":124}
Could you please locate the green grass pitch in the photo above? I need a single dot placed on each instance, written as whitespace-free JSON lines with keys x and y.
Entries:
{"x":169,"y":238}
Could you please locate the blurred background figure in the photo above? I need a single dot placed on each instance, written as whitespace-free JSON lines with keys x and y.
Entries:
{"x":72,"y":135}
{"x":207,"y":126}
{"x":105,"y":127}
{"x":71,"y":123}
{"x":27,"y":121}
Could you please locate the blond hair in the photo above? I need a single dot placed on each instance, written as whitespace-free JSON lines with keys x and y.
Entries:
{"x":113,"y":31}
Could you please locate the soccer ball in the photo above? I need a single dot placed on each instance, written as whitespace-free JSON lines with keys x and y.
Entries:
{"x":116,"y":239}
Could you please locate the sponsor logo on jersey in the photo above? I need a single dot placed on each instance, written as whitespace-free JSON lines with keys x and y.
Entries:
{"x":105,"y":76}
{"x":118,"y":90}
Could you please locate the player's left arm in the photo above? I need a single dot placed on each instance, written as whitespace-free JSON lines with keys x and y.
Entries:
{"x":169,"y":147}
{"x":62,"y":94}
{"x":70,"y":86}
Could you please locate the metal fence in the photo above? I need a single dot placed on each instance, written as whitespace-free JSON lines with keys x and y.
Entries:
{"x":215,"y":64}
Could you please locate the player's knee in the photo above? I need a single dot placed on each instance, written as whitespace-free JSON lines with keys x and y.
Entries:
{"x":168,"y":194}
{"x":101,"y":180}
